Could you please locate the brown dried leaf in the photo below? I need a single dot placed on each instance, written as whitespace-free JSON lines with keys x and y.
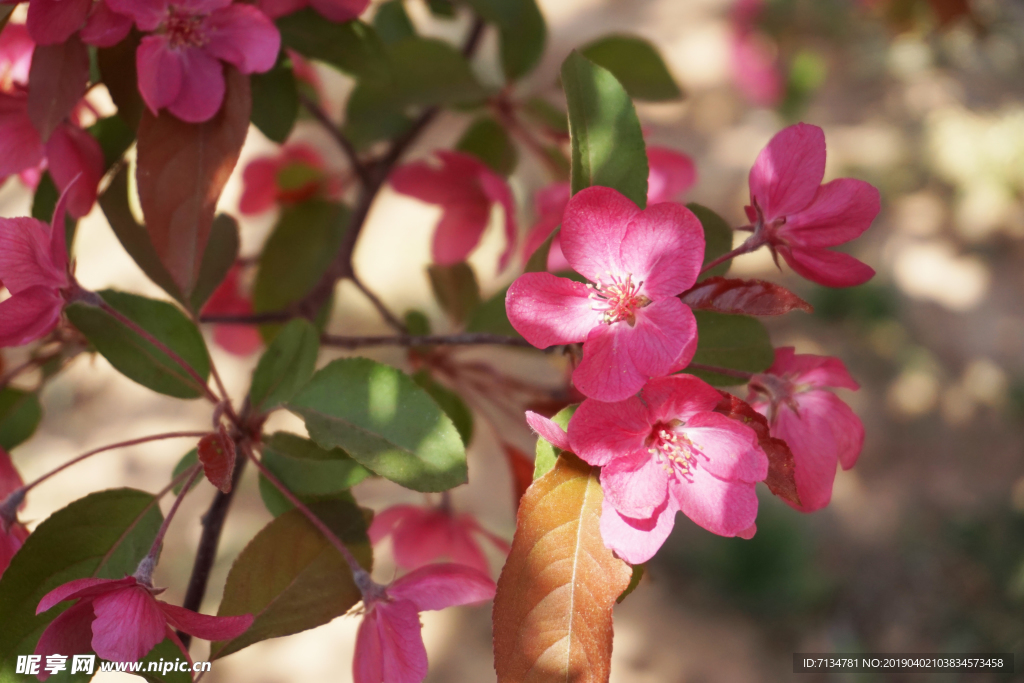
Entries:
{"x":750,"y":297}
{"x":182,"y":170}
{"x":553,"y":609}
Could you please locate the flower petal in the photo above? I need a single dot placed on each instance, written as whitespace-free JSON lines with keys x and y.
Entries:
{"x":160,"y":72}
{"x":636,"y":486}
{"x":203,"y":625}
{"x":840,"y":212}
{"x":340,"y":10}
{"x":731,"y":448}
{"x":21,"y":148}
{"x":679,"y":397}
{"x":76,"y":157}
{"x":601,"y":432}
{"x":29,"y":315}
{"x":105,"y":27}
{"x":385,"y":521}
{"x":25,"y":256}
{"x":807,"y":368}
{"x":662,"y":333}
{"x":672,"y":173}
{"x":726,"y":508}
{"x":549,"y":430}
{"x":593,"y":227}
{"x":459,"y":231}
{"x":147,"y":14}
{"x":549,"y":310}
{"x":128,"y":624}
{"x":259,"y":186}
{"x":421,"y":539}
{"x":401,"y":641}
{"x":847,"y":429}
{"x":453,"y":182}
{"x":664,"y":248}
{"x":368,"y":661}
{"x":496,"y":189}
{"x":636,"y":540}
{"x":280,"y":8}
{"x":81,"y":588}
{"x":53,"y":21}
{"x":788,"y":171}
{"x":437,"y":586}
{"x":243,"y":35}
{"x":827,"y":267}
{"x":202,"y":87}
{"x":69,"y":634}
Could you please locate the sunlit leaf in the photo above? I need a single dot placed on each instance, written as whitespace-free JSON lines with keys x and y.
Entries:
{"x":636,"y":63}
{"x":455,"y":289}
{"x":737,"y":342}
{"x":717,"y":238}
{"x":522,"y":31}
{"x":750,"y":297}
{"x":285,"y":366}
{"x":547,"y":453}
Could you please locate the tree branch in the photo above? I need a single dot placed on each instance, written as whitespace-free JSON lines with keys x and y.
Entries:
{"x":467,"y":339}
{"x":335,"y":132}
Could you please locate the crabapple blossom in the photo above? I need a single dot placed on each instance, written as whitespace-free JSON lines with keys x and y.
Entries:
{"x":179,"y":63}
{"x":230,"y":299}
{"x":754,"y":65}
{"x":671,"y":174}
{"x":799,"y":218}
{"x":423,"y":535}
{"x":664,"y":451}
{"x":631,"y":322}
{"x":12,"y":532}
{"x":121,"y":620}
{"x":54,"y":21}
{"x":15,"y":56}
{"x":820,"y":429}
{"x":465,"y":189}
{"x":389,"y":645}
{"x":334,"y":10}
{"x":296,"y":173}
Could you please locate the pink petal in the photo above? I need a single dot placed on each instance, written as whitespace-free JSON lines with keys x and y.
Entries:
{"x":21,"y":148}
{"x":549,"y":310}
{"x":68,"y":634}
{"x":385,"y":521}
{"x":368,"y":660}
{"x":437,"y":586}
{"x":421,"y":539}
{"x":847,"y":429}
{"x":459,"y":231}
{"x":496,"y":189}
{"x":128,"y":624}
{"x":664,"y":248}
{"x":827,"y":267}
{"x":10,"y":479}
{"x":672,"y":173}
{"x":74,"y":154}
{"x":202,"y":87}
{"x":454,"y":182}
{"x":259,"y":186}
{"x":756,"y":69}
{"x":679,"y":397}
{"x":806,"y":368}
{"x":58,"y":226}
{"x":340,"y":10}
{"x":601,"y":432}
{"x":105,"y":27}
{"x":25,"y":259}
{"x":279,"y":8}
{"x":81,"y":588}
{"x":636,"y":540}
{"x":147,"y":14}
{"x":552,"y":200}
{"x":593,"y":227}
{"x":29,"y":315}
{"x":636,"y":485}
{"x":160,"y":72}
{"x":731,"y":448}
{"x":463,"y":549}
{"x":238,"y":340}
{"x":10,"y":543}
{"x":748,"y":533}
{"x":787,"y":172}
{"x":243,"y":36}
{"x":389,"y":646}
{"x":205,"y":626}
{"x":726,"y":508}
{"x":549,"y":430}
{"x":840,"y":212}
{"x":53,"y":21}
{"x":16,"y":53}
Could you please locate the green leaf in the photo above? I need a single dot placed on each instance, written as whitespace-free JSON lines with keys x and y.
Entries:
{"x":607,"y":142}
{"x":277,"y":504}
{"x":134,"y":356}
{"x":352,"y":46}
{"x":636,"y":64}
{"x":285,"y":366}
{"x":45,"y":201}
{"x":634,"y":581}
{"x":523,"y":32}
{"x":105,"y":534}
{"x":385,"y":421}
{"x":488,"y":141}
{"x":490,"y":316}
{"x":547,"y":453}
{"x":220,"y":255}
{"x":451,"y":403}
{"x":717,"y":238}
{"x":308,"y":470}
{"x":430,"y":72}
{"x":547,"y":114}
{"x":298,"y":253}
{"x":164,"y":651}
{"x":417,"y":323}
{"x":117,"y":67}
{"x":20,"y":414}
{"x":291,"y":579}
{"x":373,"y":114}
{"x":538,"y":261}
{"x":115,"y":137}
{"x":441,"y":8}
{"x":455,"y":289}
{"x":737,"y":342}
{"x":275,"y":102}
{"x":5,"y":15}
{"x":392,"y":22}
{"x":188,"y":460}
{"x":132,"y":236}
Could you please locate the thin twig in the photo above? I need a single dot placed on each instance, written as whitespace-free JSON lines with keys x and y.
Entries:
{"x":335,"y":132}
{"x":385,"y":313}
{"x":466,"y":339}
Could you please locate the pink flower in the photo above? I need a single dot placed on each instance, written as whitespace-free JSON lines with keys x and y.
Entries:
{"x":819,"y":428}
{"x":754,"y":64}
{"x":671,"y":174}
{"x":465,"y":189}
{"x":665,"y":451}
{"x":121,"y":620}
{"x":423,"y":535}
{"x":335,"y":10}
{"x":293,"y":175}
{"x":34,"y":268}
{"x":631,"y":322}
{"x":12,"y":532}
{"x":389,"y":645}
{"x":798,"y":217}
{"x":54,"y":21}
{"x":15,"y":56}
{"x":180,"y":66}
{"x":230,"y":299}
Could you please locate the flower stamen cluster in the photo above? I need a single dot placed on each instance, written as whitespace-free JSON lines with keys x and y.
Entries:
{"x":184,"y":29}
{"x":618,"y":301}
{"x":674,"y":452}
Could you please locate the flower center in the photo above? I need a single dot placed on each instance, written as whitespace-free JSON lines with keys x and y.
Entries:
{"x":673,"y":451}
{"x":618,"y":300}
{"x":184,"y":29}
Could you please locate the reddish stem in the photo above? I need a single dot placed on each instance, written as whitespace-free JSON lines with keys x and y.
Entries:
{"x":144,"y":572}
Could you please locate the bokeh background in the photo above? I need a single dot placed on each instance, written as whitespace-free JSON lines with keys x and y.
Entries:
{"x":922,"y":548}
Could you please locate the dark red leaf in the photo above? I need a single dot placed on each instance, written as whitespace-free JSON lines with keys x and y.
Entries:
{"x":217,"y":453}
{"x":182,"y":170}
{"x":780,"y":478}
{"x":521,"y":467}
{"x":749,"y":297}
{"x":57,"y":81}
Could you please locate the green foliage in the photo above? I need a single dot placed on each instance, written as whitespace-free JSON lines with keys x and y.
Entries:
{"x":547,"y":453}
{"x":607,"y":142}
{"x":392,"y":22}
{"x":636,"y":64}
{"x":285,"y":366}
{"x":522,"y":29}
{"x":717,"y":238}
{"x":20,"y":414}
{"x":455,"y":289}
{"x":115,"y":137}
{"x":634,"y":581}
{"x":488,"y":141}
{"x":220,"y":255}
{"x":188,"y":460}
{"x":737,"y":342}
{"x":135,"y":357}
{"x":353,"y":46}
{"x":538,"y":261}
{"x":491,"y":316}
{"x":308,"y":470}
{"x":275,"y":102}
{"x":451,"y":403}
{"x":384,"y":420}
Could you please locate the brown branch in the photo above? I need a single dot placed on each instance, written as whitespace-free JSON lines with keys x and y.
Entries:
{"x":335,"y":132}
{"x":467,"y":339}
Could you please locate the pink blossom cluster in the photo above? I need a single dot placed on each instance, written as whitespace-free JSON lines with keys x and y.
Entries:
{"x":656,"y":433}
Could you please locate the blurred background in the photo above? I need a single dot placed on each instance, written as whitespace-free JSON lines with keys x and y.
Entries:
{"x":922,"y":548}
